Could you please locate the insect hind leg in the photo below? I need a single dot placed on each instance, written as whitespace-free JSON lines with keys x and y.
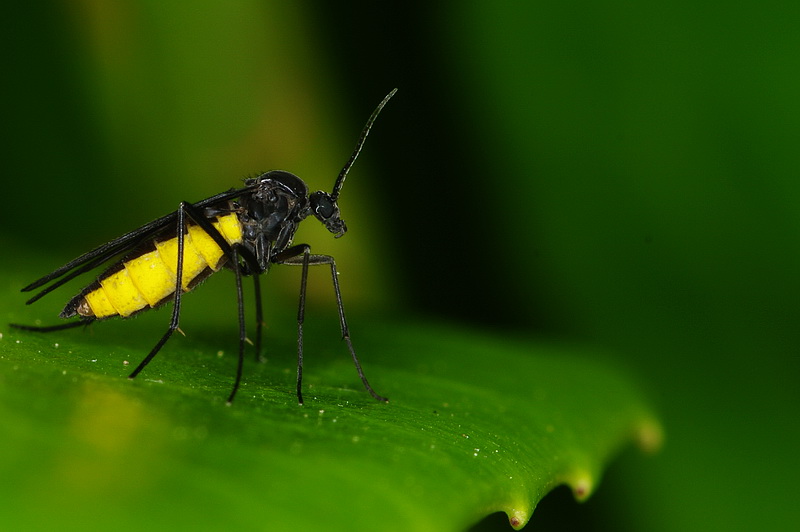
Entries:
{"x":176,"y":306}
{"x":51,"y":328}
{"x":187,"y":210}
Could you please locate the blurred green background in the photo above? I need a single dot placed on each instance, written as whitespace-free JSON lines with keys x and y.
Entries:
{"x":617,"y":173}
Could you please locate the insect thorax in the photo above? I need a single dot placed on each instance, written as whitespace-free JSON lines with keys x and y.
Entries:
{"x":270,"y":214}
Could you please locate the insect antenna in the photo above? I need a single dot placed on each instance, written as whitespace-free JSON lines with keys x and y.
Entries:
{"x":343,"y":174}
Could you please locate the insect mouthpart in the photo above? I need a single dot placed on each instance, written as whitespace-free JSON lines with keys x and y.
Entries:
{"x":326,"y":211}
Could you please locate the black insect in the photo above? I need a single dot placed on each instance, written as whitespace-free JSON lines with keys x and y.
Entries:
{"x":246,"y":230}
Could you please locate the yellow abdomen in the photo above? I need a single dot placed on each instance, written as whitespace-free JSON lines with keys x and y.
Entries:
{"x":148,"y":279}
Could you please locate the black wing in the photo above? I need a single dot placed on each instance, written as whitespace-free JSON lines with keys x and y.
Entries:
{"x":127,"y":242}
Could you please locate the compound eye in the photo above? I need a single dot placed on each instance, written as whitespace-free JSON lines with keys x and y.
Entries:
{"x":323,"y":205}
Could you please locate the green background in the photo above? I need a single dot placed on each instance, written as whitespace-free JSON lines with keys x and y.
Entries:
{"x":614,"y":173}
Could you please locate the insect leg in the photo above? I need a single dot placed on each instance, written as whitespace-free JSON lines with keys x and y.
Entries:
{"x":242,"y":331}
{"x":176,"y":306}
{"x":301,"y":313}
{"x":326,"y":259}
{"x":51,"y":328}
{"x":251,"y":266}
{"x":292,"y":257}
{"x":315,"y":260}
{"x":259,"y":316}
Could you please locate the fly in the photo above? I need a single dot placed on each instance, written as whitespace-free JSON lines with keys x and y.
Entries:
{"x":246,"y":230}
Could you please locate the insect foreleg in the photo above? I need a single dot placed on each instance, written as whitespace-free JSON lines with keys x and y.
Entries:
{"x":306,"y":260}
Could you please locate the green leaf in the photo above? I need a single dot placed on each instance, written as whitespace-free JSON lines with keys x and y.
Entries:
{"x":476,"y":424}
